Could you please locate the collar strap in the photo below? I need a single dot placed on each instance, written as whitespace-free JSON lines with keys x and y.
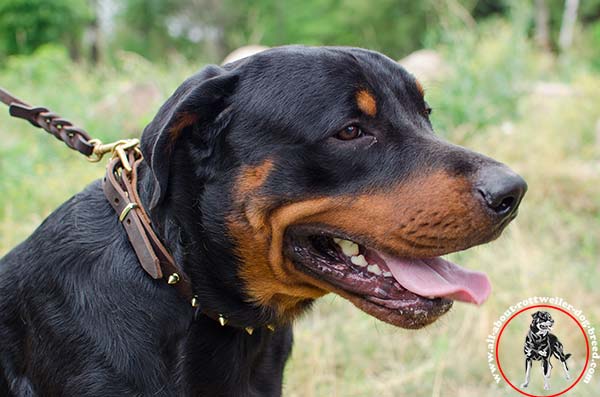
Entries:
{"x":120,"y":189}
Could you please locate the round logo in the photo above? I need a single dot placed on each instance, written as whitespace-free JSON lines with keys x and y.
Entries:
{"x":542,"y":350}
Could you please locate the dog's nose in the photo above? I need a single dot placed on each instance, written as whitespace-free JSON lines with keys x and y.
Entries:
{"x":501,"y":189}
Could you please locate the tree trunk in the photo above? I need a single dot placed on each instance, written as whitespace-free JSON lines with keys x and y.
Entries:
{"x":542,"y":27}
{"x":565,"y":38}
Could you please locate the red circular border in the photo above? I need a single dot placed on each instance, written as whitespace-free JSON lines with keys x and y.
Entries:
{"x":587,"y":346}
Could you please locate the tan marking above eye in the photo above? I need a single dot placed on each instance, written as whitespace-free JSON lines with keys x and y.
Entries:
{"x":366,"y":103}
{"x":420,"y":87}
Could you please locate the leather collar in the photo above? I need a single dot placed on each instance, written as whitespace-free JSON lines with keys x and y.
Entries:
{"x":120,"y":189}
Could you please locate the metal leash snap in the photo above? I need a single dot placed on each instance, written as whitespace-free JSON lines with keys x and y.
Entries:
{"x":118,"y":149}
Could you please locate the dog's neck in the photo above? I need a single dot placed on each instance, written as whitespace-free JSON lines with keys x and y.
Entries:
{"x":221,"y":361}
{"x":199,"y":255}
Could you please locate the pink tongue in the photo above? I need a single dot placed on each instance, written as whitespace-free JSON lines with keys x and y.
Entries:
{"x":440,"y":278}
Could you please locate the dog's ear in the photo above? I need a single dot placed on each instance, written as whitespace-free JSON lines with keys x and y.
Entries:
{"x":198,"y":101}
{"x":536,"y":314}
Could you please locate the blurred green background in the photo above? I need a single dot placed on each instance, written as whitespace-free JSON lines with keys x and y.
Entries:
{"x":516,"y":80}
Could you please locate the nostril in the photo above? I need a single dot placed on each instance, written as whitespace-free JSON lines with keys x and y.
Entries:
{"x":501,"y":190}
{"x":505,"y":205}
{"x":500,"y":204}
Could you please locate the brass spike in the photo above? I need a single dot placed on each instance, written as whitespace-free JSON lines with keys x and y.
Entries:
{"x":222,"y":320}
{"x":249,"y":330}
{"x":173,"y":279}
{"x":195,"y":302}
{"x":271,"y":327}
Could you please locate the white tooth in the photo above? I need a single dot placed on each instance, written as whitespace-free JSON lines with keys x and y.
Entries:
{"x":374,"y":269}
{"x":359,"y":260}
{"x":387,"y":274}
{"x":431,"y":297}
{"x":349,"y":248}
{"x":337,"y":240}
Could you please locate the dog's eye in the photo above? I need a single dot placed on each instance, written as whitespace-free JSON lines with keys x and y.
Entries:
{"x":349,"y":133}
{"x":427,"y":111}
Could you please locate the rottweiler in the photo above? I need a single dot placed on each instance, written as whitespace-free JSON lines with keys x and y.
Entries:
{"x":272,"y":181}
{"x":541,"y":345}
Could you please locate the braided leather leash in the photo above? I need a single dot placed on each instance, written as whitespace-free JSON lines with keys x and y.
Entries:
{"x":62,"y":129}
{"x":120,"y":189}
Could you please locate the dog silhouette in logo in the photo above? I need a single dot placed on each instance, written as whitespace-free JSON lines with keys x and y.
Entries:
{"x":541,"y":345}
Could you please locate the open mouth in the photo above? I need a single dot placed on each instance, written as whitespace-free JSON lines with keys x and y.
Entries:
{"x":406,"y":292}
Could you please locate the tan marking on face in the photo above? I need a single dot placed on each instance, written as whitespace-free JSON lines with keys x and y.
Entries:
{"x":420,"y":87}
{"x":366,"y":103}
{"x":253,"y":178}
{"x":423,"y":217}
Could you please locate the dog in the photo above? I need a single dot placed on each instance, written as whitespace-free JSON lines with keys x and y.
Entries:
{"x":272,"y":181}
{"x":541,"y":345}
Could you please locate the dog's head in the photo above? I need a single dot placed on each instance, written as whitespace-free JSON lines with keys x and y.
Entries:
{"x":542,"y":322}
{"x":302,"y":171}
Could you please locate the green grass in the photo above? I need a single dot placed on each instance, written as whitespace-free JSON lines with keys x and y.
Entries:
{"x":487,"y":104}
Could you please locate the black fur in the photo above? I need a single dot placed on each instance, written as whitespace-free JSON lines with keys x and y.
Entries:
{"x":78,"y":315}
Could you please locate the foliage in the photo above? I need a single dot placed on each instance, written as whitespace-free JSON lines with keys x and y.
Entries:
{"x":209,"y":29}
{"x":589,"y":47}
{"x":156,"y":27}
{"x":27,"y":24}
{"x":394,"y":27}
{"x":391,"y":26}
{"x":143,"y":27}
{"x":206,"y":30}
{"x":489,"y":74}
